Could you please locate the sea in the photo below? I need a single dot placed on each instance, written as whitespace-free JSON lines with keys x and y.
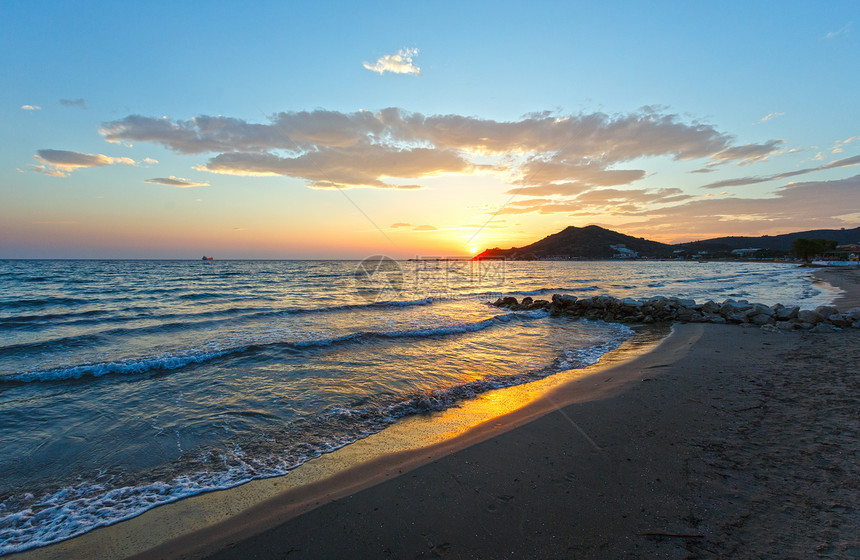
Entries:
{"x":125,"y":385}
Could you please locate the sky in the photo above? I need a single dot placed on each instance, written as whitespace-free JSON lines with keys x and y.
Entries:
{"x":292,"y":130}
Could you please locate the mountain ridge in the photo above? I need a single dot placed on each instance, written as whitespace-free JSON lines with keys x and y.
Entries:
{"x":595,"y":242}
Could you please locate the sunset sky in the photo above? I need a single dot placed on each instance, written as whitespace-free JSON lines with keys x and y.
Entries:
{"x":333,"y":130}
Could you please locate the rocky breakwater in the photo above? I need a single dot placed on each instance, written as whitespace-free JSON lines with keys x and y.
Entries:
{"x":824,"y":318}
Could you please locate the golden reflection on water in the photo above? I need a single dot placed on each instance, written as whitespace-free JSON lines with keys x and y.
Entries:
{"x":164,"y":523}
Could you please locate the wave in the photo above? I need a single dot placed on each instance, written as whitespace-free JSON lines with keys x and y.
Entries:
{"x":74,"y":510}
{"x":19,"y":303}
{"x":546,"y":291}
{"x":177,"y":325}
{"x":24,"y":320}
{"x":154,"y":364}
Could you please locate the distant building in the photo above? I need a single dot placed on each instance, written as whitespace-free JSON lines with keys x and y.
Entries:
{"x":622,"y":252}
{"x":746,"y":252}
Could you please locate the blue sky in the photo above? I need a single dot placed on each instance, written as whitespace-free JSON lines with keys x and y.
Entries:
{"x":673,"y":121}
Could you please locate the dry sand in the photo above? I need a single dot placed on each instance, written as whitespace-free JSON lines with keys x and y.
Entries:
{"x":728,"y":442}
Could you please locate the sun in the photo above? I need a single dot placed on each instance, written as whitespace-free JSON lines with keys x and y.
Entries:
{"x":473,"y":250}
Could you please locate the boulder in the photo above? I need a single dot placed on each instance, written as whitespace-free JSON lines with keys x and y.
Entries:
{"x":823,"y":328}
{"x":854,"y":313}
{"x":809,"y":316}
{"x":786,"y":313}
{"x":761,"y":319}
{"x":840,"y":320}
{"x":505,"y":301}
{"x":826,"y":310}
{"x":563,"y":301}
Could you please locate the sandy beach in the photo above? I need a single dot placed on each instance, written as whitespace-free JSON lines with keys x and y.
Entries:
{"x":723,"y":441}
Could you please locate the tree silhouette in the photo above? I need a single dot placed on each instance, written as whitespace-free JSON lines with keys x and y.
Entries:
{"x":806,"y":248}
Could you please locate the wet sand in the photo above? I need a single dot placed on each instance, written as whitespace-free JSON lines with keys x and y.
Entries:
{"x":723,"y":441}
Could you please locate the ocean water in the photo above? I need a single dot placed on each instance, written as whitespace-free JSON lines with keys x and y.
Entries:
{"x":129,"y":384}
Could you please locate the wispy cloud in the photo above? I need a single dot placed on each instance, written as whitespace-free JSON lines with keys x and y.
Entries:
{"x":31,"y":107}
{"x":59,"y":163}
{"x":177,"y":182}
{"x":425,"y":227}
{"x":812,"y":205}
{"x":770,"y":116}
{"x":844,"y":30}
{"x":400,"y":63}
{"x":79,"y":103}
{"x":400,"y":225}
{"x":741,"y":181}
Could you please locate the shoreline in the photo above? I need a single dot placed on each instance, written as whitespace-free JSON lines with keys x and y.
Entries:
{"x":727,"y":444}
{"x":276,"y":508}
{"x":407,"y":444}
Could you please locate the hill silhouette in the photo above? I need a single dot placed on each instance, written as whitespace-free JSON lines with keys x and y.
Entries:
{"x":595,"y":242}
{"x":589,"y":242}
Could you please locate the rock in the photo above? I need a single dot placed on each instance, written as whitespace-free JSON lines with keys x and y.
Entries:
{"x":734,"y":308}
{"x":769,"y":328}
{"x":823,"y":328}
{"x":854,"y":314}
{"x":759,"y":309}
{"x":563,"y":301}
{"x":840,"y":320}
{"x":809,"y":316}
{"x":785,"y":313}
{"x":826,"y":310}
{"x":526,"y":301}
{"x":761,"y":319}
{"x":710,"y":307}
{"x":785,"y":325}
{"x":505,"y":301}
{"x":719,"y":320}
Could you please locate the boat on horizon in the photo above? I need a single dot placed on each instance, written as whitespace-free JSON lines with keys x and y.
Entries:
{"x":205,"y":258}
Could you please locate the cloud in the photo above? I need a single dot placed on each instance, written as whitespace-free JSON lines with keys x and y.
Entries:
{"x":844,"y":30}
{"x":59,"y":163}
{"x":845,"y":162}
{"x":330,"y":149}
{"x":749,"y":153}
{"x":238,"y":228}
{"x":816,"y":204}
{"x":177,"y":182}
{"x":400,"y":224}
{"x":599,"y":201}
{"x":400,"y":63}
{"x":80,"y":103}
{"x":425,"y":228}
{"x":31,"y":107}
{"x":770,"y":116}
